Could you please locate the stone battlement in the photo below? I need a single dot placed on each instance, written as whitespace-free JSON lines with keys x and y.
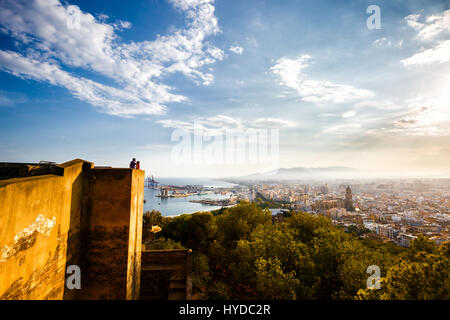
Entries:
{"x":79,"y":215}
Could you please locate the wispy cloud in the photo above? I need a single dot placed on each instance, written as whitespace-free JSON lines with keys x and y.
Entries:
{"x":349,"y":114}
{"x":385,"y":42}
{"x":217,"y":124}
{"x":272,"y":123}
{"x":109,"y":99}
{"x":438,"y":54}
{"x":422,"y":118}
{"x":342,"y":128}
{"x":291,"y":72}
{"x":435,"y":30}
{"x":47,"y":44}
{"x":155,"y":146}
{"x":237,"y":49}
{"x":8,"y":99}
{"x":386,"y":105}
{"x":430,"y":27}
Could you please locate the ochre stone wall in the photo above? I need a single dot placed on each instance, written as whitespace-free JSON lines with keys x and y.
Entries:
{"x":114,"y":234}
{"x":135,"y":232}
{"x":35,"y":217}
{"x":89,"y":217}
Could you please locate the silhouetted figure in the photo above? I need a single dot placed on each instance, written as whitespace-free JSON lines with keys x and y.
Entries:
{"x":138,"y":165}
{"x":133,"y":164}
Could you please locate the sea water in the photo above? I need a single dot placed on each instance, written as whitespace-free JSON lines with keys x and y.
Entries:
{"x":181,"y":205}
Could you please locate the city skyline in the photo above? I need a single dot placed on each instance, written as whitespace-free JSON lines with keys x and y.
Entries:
{"x":108,"y":82}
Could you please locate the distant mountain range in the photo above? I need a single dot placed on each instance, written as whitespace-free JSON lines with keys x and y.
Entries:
{"x":297,"y":173}
{"x":330,"y":173}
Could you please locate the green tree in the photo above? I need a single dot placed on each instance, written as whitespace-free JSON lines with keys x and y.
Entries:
{"x":421,"y":244}
{"x":240,"y":253}
{"x":194,"y":231}
{"x":273,"y":282}
{"x":275,"y":245}
{"x":238,"y":222}
{"x":423,"y":274}
{"x":153,"y":218}
{"x":163,"y":244}
{"x":305,"y":225}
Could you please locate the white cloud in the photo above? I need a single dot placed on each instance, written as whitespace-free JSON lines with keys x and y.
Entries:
{"x":272,"y":123}
{"x":120,"y":25}
{"x":430,"y":27}
{"x":439,"y":54}
{"x":423,"y":117}
{"x":328,"y":115}
{"x":109,"y":99}
{"x":102,"y":17}
{"x":237,"y":49}
{"x":189,"y":4}
{"x":291,"y":73}
{"x":207,"y":126}
{"x":348,"y":114}
{"x":177,"y":124}
{"x":137,"y":68}
{"x":379,"y":104}
{"x":384,"y":42}
{"x":434,"y":29}
{"x":217,"y":124}
{"x":412,"y":21}
{"x":342,"y":128}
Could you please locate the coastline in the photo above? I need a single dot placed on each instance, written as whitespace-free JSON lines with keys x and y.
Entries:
{"x":172,"y":206}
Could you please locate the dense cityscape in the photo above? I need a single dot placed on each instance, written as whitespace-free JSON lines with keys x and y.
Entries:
{"x":383,"y":210}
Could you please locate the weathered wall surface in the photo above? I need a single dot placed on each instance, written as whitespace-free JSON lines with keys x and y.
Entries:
{"x":77,"y":187}
{"x":35,"y":218}
{"x":88,"y":217}
{"x":135,"y":232}
{"x":114,"y":234}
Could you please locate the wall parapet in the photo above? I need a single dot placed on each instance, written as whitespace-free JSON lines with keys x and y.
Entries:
{"x":54,"y":220}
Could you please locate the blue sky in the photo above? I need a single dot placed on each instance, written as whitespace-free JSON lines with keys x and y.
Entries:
{"x":109,"y":80}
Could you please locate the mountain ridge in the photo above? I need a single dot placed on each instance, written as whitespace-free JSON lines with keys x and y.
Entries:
{"x":299,"y":172}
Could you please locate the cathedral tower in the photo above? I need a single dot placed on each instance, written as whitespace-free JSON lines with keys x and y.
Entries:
{"x":348,"y":202}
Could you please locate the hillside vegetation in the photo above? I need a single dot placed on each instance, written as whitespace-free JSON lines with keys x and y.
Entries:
{"x":239,"y":253}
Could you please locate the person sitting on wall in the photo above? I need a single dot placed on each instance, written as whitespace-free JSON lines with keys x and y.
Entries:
{"x":138,"y":165}
{"x":133,"y":164}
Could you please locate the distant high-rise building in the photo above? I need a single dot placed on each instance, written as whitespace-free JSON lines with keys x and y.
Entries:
{"x":348,"y":202}
{"x":324,"y":189}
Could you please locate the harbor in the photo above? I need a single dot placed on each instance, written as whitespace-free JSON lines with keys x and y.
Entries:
{"x":173,"y":196}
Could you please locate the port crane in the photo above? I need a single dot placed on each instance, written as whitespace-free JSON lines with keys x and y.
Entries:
{"x":152,"y":183}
